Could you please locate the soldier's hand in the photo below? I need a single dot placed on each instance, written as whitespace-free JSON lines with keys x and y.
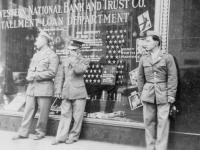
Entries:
{"x":28,"y":78}
{"x":32,"y":75}
{"x":139,"y":94}
{"x":58,"y":95}
{"x":170,"y":99}
{"x":78,"y":51}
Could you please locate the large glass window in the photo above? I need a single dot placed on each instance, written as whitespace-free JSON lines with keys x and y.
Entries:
{"x":113,"y":32}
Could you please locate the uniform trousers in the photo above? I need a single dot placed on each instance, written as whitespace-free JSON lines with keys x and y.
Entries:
{"x":31,"y":107}
{"x":71,"y":109}
{"x":156,"y":120}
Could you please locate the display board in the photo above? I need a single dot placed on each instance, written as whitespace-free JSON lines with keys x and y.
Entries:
{"x":108,"y":75}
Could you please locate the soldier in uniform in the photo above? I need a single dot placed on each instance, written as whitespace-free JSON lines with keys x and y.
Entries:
{"x":42,"y":70}
{"x":157,"y":85}
{"x":71,"y":88}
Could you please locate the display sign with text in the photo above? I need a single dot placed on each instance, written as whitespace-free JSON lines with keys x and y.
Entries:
{"x":108,"y":75}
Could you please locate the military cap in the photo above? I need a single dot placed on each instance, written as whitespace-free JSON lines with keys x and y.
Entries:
{"x":43,"y":33}
{"x":75,"y":44}
{"x":151,"y":33}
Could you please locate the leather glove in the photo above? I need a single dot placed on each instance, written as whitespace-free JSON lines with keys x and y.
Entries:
{"x":58,"y":95}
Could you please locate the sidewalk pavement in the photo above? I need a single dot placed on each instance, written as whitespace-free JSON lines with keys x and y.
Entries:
{"x":6,"y":143}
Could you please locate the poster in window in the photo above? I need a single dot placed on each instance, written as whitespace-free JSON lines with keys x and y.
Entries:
{"x":133,"y":76}
{"x":135,"y":101}
{"x":140,"y":48}
{"x":144,"y":21}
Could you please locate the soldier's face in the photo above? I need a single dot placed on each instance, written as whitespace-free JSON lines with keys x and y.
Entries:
{"x":40,"y":42}
{"x":150,"y":43}
{"x":78,"y":51}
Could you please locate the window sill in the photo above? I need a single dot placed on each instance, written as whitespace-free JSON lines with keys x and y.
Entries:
{"x":137,"y":125}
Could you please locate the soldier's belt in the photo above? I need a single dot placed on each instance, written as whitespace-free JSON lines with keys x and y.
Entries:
{"x":44,"y":80}
{"x":157,"y":82}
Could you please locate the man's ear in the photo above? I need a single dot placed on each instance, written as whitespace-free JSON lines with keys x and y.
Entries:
{"x":78,"y":51}
{"x":156,"y":42}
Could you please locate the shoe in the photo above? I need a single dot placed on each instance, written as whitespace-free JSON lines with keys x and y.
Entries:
{"x":70,"y":141}
{"x":56,"y":142}
{"x":18,"y":137}
{"x":38,"y":137}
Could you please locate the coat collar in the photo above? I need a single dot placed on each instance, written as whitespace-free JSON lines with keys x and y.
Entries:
{"x":159,"y":57}
{"x":149,"y":59}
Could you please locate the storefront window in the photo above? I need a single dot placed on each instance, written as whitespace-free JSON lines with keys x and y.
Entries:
{"x":113,"y":32}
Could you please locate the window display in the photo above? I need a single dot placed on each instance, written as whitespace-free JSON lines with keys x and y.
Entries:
{"x":113,"y":32}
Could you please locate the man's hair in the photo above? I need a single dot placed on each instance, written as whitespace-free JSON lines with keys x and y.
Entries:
{"x":46,"y":39}
{"x":156,"y":38}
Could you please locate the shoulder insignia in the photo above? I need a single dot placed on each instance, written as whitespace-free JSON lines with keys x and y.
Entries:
{"x":164,"y":52}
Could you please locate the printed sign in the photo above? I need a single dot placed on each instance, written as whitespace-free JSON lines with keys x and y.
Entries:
{"x":128,"y":53}
{"x":144,"y":21}
{"x":109,"y":75}
{"x":94,"y":47}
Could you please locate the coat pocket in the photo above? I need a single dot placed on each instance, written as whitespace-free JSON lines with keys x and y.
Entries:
{"x":78,"y":81}
{"x":146,"y":64}
{"x":163,"y":87}
{"x":163,"y":64}
{"x":147,"y":68}
{"x":147,"y":86}
{"x":45,"y":82}
{"x":77,"y":85}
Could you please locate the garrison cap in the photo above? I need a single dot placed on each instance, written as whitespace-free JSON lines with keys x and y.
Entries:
{"x":45,"y":34}
{"x":150,"y":33}
{"x":75,"y":44}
